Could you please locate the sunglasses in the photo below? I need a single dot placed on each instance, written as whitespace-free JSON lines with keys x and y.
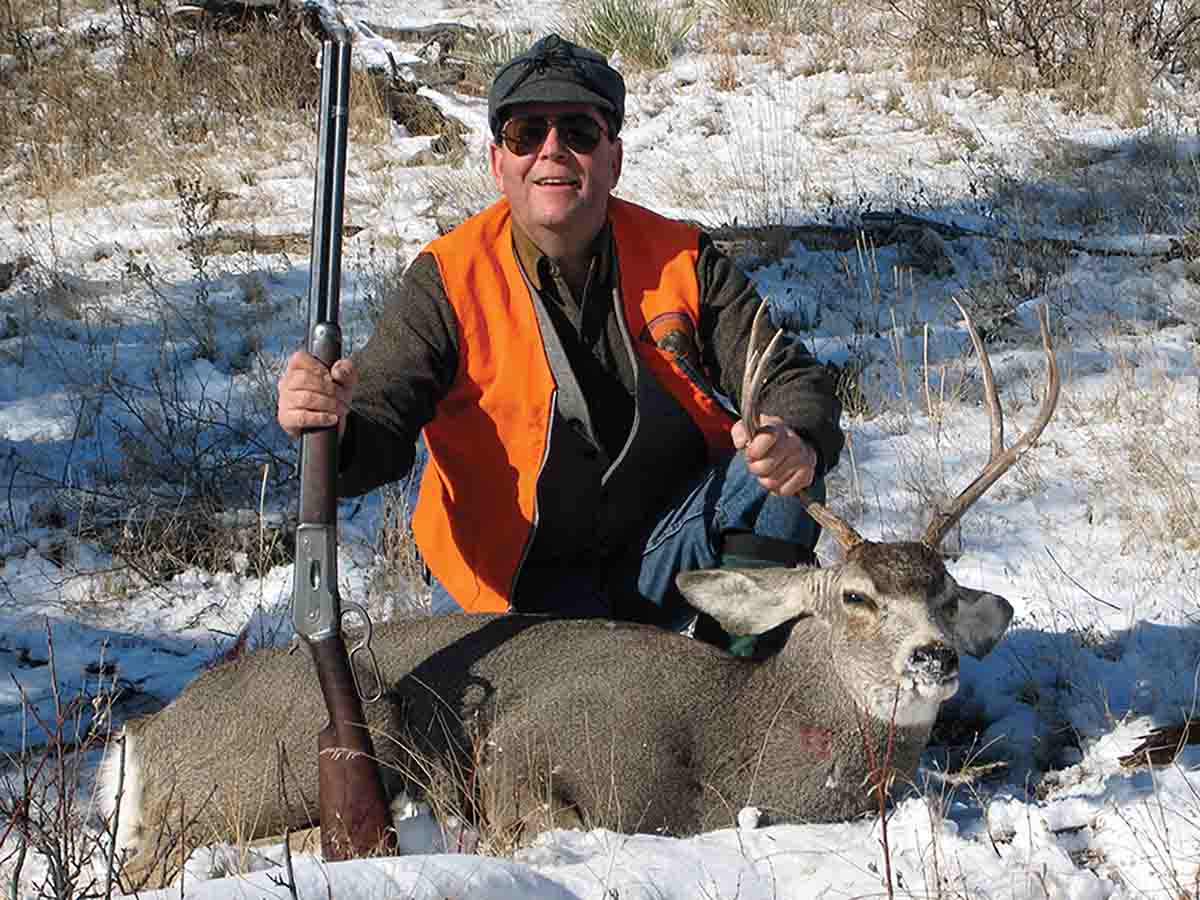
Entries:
{"x":525,"y":134}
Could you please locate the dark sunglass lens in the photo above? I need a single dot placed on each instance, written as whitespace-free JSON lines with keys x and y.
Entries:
{"x":525,"y":135}
{"x":580,"y":133}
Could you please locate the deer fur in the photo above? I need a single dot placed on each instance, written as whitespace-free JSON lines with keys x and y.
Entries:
{"x":588,"y":722}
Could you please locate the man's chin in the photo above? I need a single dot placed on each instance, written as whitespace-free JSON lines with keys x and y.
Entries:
{"x":557,"y":216}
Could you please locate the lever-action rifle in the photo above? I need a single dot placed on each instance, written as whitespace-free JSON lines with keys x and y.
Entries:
{"x":353,"y":806}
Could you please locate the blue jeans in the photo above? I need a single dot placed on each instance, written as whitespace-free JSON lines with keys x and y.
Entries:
{"x":639,"y":583}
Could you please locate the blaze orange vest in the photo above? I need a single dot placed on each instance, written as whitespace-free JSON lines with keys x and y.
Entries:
{"x":489,"y":435}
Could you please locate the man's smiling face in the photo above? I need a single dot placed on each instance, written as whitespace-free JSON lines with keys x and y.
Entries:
{"x":558,"y":195}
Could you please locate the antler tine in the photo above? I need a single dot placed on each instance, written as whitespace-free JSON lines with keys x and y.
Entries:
{"x":756,"y":368}
{"x":752,"y":380}
{"x":1001,"y":460}
{"x":989,"y":382}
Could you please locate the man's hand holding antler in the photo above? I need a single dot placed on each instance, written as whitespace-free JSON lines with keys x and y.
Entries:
{"x":783,"y":462}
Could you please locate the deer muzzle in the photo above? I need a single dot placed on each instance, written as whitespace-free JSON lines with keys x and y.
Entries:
{"x":932,"y":664}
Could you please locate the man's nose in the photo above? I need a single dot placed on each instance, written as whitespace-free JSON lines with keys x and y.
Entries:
{"x":552,"y":146}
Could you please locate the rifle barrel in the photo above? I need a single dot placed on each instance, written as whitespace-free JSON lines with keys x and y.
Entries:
{"x":318,"y":446}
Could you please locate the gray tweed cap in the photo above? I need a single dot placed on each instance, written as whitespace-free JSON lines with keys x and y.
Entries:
{"x":554,"y":70}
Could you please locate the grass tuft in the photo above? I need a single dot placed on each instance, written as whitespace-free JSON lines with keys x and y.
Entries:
{"x":644,"y":33}
{"x":775,"y":17}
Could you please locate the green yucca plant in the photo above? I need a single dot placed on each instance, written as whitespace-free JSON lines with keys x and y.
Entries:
{"x":644,"y":32}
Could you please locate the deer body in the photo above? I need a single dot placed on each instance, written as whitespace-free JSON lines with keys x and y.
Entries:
{"x":590,"y":723}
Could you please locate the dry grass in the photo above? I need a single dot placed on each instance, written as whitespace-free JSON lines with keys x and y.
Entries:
{"x":775,"y":17}
{"x":1096,"y":56}
{"x":485,"y":52}
{"x":1145,"y":421}
{"x":397,"y":584}
{"x":51,"y":847}
{"x":137,"y":97}
{"x":458,"y":192}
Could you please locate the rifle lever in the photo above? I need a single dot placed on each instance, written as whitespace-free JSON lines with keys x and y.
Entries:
{"x":350,"y":608}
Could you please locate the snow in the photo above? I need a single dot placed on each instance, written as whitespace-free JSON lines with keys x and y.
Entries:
{"x":1094,"y":538}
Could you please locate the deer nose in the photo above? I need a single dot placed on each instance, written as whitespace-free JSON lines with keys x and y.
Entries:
{"x":936,"y":662}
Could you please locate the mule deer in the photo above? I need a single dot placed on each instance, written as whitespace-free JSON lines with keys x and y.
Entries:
{"x":555,"y":721}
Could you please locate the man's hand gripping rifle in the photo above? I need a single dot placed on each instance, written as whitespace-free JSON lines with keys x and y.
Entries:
{"x":355,"y":820}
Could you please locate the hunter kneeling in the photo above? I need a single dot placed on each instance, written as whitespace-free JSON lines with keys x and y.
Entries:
{"x":573,"y":362}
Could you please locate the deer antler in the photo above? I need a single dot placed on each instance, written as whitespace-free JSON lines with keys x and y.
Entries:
{"x":752,"y":380}
{"x":1001,"y":460}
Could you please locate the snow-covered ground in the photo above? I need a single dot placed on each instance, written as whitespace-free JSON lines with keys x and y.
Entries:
{"x":1095,"y":538}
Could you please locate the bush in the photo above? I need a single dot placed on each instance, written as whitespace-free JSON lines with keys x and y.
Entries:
{"x":1061,"y":40}
{"x":643,"y":32}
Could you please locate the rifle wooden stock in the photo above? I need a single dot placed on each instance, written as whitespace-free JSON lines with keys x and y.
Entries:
{"x":355,"y":818}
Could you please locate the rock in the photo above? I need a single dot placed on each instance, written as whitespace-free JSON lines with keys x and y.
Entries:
{"x":10,"y":270}
{"x":924,"y":250}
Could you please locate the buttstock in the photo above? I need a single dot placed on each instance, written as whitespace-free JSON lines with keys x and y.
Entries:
{"x":355,"y":817}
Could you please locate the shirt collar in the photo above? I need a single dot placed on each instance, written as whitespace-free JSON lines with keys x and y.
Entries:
{"x":531,"y":257}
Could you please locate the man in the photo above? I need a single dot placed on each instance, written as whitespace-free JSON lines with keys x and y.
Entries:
{"x":565,"y":355}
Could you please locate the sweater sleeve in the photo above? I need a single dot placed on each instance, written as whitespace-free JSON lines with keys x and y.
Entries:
{"x":406,"y":367}
{"x":798,"y":388}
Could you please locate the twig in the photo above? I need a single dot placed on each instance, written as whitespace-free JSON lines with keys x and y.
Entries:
{"x":287,"y":864}
{"x":18,"y":866}
{"x":901,"y":363}
{"x":116,"y":822}
{"x":1078,"y":585}
{"x":854,"y":476}
{"x":925,"y":367}
{"x":884,"y":790}
{"x":12,"y":516}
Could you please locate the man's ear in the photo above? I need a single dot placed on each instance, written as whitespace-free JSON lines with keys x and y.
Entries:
{"x":494,"y":152}
{"x":617,"y":160}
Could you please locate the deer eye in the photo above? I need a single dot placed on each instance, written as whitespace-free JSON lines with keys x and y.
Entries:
{"x":951,"y":607}
{"x":853,"y":598}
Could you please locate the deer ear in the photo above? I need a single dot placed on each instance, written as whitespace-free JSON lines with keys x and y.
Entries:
{"x":745,"y":601}
{"x":980,"y":621}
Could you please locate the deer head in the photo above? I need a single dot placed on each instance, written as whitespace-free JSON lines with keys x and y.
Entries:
{"x":897,"y":619}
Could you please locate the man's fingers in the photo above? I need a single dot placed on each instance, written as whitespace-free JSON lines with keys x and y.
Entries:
{"x":306,"y":418}
{"x":344,"y":374}
{"x":786,"y":484}
{"x":740,"y":435}
{"x":301,"y":399}
{"x":779,"y":469}
{"x":763,"y":442}
{"x":781,"y":460}
{"x":312,"y":395}
{"x":801,"y":479}
{"x":303,"y":361}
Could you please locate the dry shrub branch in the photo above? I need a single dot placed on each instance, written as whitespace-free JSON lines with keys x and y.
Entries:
{"x":47,"y":847}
